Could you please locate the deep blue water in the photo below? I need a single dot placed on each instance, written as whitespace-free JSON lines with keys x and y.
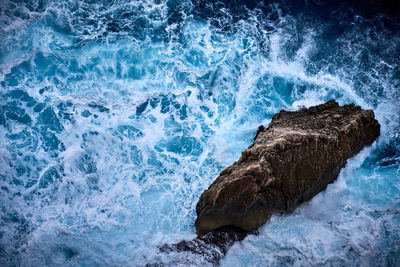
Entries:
{"x":116,"y":115}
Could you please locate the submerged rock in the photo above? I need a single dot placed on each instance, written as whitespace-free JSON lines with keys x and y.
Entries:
{"x":291,"y":161}
{"x":211,"y":246}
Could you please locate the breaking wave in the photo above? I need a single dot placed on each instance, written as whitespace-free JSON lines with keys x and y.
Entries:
{"x":116,"y":115}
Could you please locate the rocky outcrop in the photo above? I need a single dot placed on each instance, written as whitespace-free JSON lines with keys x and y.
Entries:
{"x":211,"y":246}
{"x":291,"y":161}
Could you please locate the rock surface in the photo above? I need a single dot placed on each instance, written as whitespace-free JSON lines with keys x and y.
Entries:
{"x":211,"y":246}
{"x":291,"y":161}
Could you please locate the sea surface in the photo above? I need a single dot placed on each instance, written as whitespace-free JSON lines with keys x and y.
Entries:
{"x":116,"y":115}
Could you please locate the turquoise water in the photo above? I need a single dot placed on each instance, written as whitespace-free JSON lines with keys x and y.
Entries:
{"x":115,"y":116}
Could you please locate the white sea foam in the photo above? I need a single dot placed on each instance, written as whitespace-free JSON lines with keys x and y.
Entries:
{"x":147,"y":125}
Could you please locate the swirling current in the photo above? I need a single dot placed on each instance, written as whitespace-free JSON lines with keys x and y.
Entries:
{"x":116,"y":115}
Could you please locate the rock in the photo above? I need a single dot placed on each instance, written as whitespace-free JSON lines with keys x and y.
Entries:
{"x":211,"y":246}
{"x":291,"y":161}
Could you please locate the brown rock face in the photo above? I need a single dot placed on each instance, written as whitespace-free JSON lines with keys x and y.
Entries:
{"x":291,"y":161}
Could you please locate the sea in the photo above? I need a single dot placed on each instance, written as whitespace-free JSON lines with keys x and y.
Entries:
{"x":116,"y":115}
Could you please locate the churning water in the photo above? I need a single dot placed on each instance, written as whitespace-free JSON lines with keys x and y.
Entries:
{"x":116,"y":115}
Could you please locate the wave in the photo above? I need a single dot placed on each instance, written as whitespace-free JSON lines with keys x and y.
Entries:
{"x":115,"y":116}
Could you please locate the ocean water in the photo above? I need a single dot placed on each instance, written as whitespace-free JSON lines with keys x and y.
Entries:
{"x":116,"y":115}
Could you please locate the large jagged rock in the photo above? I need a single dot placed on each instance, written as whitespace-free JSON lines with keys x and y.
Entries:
{"x":291,"y":161}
